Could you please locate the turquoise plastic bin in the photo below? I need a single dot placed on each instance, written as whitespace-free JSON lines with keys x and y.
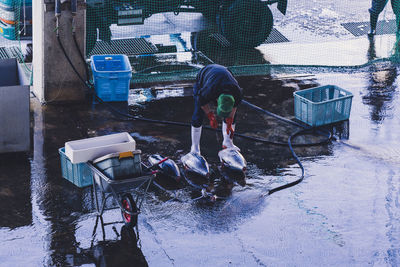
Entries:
{"x":322,"y":105}
{"x":79,"y":174}
{"x":7,"y":31}
{"x":112,"y":75}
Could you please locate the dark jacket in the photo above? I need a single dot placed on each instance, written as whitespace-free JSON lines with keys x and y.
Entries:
{"x":214,"y":80}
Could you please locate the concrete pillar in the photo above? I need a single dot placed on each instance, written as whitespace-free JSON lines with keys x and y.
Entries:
{"x":53,"y":78}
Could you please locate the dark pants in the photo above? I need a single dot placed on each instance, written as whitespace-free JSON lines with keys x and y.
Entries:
{"x":198,"y":113}
{"x":377,"y":7}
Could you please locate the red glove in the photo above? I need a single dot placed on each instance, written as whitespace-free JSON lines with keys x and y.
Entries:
{"x":229,"y":129}
{"x":213,"y":120}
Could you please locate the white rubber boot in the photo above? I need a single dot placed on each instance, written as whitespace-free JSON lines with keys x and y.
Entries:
{"x":196,"y":135}
{"x":228,"y":142}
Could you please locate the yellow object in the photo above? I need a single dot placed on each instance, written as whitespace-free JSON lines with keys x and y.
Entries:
{"x":1,"y":30}
{"x":128,"y":154}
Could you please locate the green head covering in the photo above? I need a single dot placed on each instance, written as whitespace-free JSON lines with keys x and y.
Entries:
{"x":225,"y":105}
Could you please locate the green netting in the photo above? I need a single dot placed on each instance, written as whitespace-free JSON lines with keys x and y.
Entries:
{"x":159,"y":53}
{"x":169,"y":40}
{"x":16,"y":32}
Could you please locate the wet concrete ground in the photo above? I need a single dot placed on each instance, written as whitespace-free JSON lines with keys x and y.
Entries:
{"x":344,"y":213}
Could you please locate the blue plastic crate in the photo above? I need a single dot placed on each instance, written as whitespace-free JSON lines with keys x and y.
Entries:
{"x":78,"y":174}
{"x":112,"y":75}
{"x":322,"y":105}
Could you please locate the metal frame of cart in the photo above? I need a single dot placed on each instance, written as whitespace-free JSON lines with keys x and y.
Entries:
{"x":120,"y":190}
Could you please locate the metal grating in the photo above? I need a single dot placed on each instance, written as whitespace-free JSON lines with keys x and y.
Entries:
{"x":15,"y":52}
{"x":133,"y":46}
{"x":362,"y":28}
{"x":276,"y":37}
{"x":221,"y":39}
{"x":3,"y":53}
{"x":11,"y":52}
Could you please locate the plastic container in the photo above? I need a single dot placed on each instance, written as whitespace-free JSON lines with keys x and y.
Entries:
{"x":78,"y":174}
{"x":322,"y":105}
{"x":83,"y":150}
{"x":13,"y":3}
{"x":9,"y":14}
{"x":119,"y":166}
{"x":112,"y":75}
{"x":7,"y":31}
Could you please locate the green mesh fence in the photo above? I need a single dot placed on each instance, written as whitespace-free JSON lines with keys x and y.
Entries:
{"x":16,"y":32}
{"x":169,"y":40}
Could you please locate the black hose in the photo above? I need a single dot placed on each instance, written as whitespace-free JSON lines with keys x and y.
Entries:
{"x":283,"y":119}
{"x":72,"y":65}
{"x":305,"y":129}
{"x":279,"y":188}
{"x":81,"y":56}
{"x":272,"y":114}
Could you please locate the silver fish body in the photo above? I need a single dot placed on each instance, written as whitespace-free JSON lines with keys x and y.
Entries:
{"x":232,"y":159}
{"x":168,"y":167}
{"x":196,"y":163}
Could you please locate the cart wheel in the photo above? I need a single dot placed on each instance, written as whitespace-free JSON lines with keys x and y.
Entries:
{"x":129,"y":204}
{"x":128,"y":235}
{"x":246,"y":23}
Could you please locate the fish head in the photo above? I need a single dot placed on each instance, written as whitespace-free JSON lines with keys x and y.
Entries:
{"x":196,"y":163}
{"x":154,"y":159}
{"x":170,"y":168}
{"x":233,"y":159}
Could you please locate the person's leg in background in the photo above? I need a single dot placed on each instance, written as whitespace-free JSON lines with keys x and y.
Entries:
{"x":376,"y":8}
{"x":396,"y":11}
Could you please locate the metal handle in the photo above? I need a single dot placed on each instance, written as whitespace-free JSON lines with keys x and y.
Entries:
{"x":156,"y":164}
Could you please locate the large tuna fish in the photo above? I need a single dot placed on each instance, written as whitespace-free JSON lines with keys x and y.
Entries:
{"x":196,"y":163}
{"x":232,"y":159}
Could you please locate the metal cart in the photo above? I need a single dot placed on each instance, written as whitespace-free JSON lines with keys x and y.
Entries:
{"x":121,"y":191}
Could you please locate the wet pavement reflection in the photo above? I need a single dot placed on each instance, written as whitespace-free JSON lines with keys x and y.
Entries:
{"x":346,"y":209}
{"x":381,"y":88}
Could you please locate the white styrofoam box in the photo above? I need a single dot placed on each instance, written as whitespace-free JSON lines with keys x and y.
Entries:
{"x":84,"y":150}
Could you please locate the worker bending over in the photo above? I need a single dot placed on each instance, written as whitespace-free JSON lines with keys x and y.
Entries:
{"x":215,"y":83}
